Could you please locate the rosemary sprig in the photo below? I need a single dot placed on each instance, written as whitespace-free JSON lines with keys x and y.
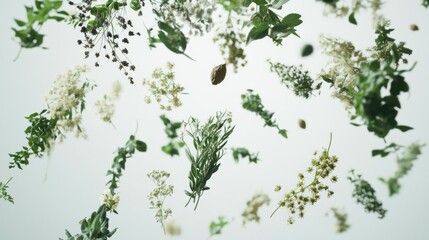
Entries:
{"x":209,"y":141}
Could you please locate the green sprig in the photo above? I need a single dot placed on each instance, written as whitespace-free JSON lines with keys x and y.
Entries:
{"x":171,"y":128}
{"x":240,"y":152}
{"x":3,"y":191}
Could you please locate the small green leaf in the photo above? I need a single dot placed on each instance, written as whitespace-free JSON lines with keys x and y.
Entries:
{"x":141,"y":146}
{"x":283,"y":132}
{"x":292,"y":20}
{"x":135,"y":5}
{"x":257,"y":32}
{"x":352,"y":18}
{"x":404,"y":128}
{"x":277,"y":4}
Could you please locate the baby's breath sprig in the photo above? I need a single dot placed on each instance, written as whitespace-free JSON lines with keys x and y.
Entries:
{"x":105,"y":106}
{"x":173,"y":147}
{"x":240,"y":152}
{"x":252,"y":102}
{"x":209,"y":141}
{"x":105,"y":26}
{"x":297,"y":199}
{"x":97,"y":225}
{"x":341,"y":220}
{"x":163,"y":88}
{"x":3,"y":191}
{"x":405,"y":164}
{"x":365,"y":195}
{"x":295,"y":78}
{"x":66,"y":102}
{"x":251,"y":212}
{"x":157,"y":196}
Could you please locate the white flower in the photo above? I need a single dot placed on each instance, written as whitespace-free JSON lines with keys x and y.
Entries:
{"x":110,"y":199}
{"x":106,"y":106}
{"x":253,"y":205}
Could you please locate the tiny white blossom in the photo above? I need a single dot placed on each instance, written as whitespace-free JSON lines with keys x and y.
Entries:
{"x":110,"y":200}
{"x":105,"y":107}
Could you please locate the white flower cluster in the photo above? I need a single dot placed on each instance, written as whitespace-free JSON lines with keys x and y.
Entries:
{"x":158,"y":195}
{"x":105,"y":107}
{"x":253,"y":205}
{"x":110,"y":199}
{"x":164,"y":89}
{"x":66,"y":101}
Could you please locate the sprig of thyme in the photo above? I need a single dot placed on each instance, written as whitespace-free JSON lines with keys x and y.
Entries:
{"x":3,"y":191}
{"x":173,"y":147}
{"x":295,"y":78}
{"x":252,"y":102}
{"x":365,"y":195}
{"x":304,"y":194}
{"x":404,"y":165}
{"x":209,"y":141}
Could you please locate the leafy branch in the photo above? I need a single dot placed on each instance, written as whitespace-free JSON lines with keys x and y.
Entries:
{"x":171,"y":128}
{"x":240,"y":152}
{"x":252,"y":102}
{"x":3,"y":191}
{"x":209,"y":141}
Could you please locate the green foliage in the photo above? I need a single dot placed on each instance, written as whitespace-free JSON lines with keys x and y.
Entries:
{"x":391,"y":148}
{"x":405,"y":163}
{"x":40,"y":134}
{"x":265,"y":22}
{"x":209,"y":141}
{"x":94,"y":228}
{"x":3,"y":191}
{"x":28,"y":31}
{"x":216,"y":228}
{"x":307,"y":50}
{"x":238,"y":153}
{"x":171,"y":128}
{"x":252,"y":102}
{"x":120,"y":159}
{"x":304,"y":194}
{"x":173,"y":38}
{"x":341,"y":220}
{"x":295,"y":78}
{"x":425,"y":3}
{"x":365,"y":195}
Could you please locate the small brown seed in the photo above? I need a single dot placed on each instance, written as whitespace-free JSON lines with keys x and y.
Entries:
{"x":218,"y":74}
{"x":302,"y":124}
{"x":414,"y":27}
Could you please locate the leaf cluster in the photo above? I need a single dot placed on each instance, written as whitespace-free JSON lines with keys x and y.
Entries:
{"x":304,"y":194}
{"x":216,"y":228}
{"x":252,"y":102}
{"x":341,"y":220}
{"x":40,"y":134}
{"x":404,"y":165}
{"x":28,"y":31}
{"x":295,"y":78}
{"x":265,"y":22}
{"x":209,"y":141}
{"x":425,"y":3}
{"x":94,"y":228}
{"x":365,"y":195}
{"x":171,"y":128}
{"x":3,"y":191}
{"x":240,"y":152}
{"x":120,"y":159}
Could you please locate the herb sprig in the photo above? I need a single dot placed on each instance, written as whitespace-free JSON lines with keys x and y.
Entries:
{"x":216,"y":228}
{"x":171,"y":128}
{"x":252,"y":102}
{"x":3,"y":191}
{"x":240,"y":152}
{"x":209,"y":141}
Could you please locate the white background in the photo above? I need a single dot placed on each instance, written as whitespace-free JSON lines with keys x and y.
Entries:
{"x":76,"y":168}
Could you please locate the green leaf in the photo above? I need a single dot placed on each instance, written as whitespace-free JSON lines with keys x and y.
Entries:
{"x":404,"y":128}
{"x":277,"y":4}
{"x":257,"y":32}
{"x":292,"y":20}
{"x":352,"y":18}
{"x":19,"y":22}
{"x":135,"y":5}
{"x":283,"y":132}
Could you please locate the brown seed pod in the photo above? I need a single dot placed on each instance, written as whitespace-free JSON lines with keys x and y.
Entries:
{"x":414,"y":27}
{"x":302,"y":124}
{"x":218,"y":74}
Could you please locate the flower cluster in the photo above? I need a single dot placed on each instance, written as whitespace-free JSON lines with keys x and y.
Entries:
{"x":106,"y":26}
{"x":365,"y":195}
{"x":106,"y":106}
{"x":158,"y":195}
{"x":110,"y":199}
{"x":343,"y":67}
{"x":164,"y":89}
{"x":297,"y":199}
{"x":66,"y":101}
{"x":295,"y":78}
{"x":3,"y":191}
{"x":405,"y":163}
{"x":341,"y":220}
{"x":253,"y":205}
